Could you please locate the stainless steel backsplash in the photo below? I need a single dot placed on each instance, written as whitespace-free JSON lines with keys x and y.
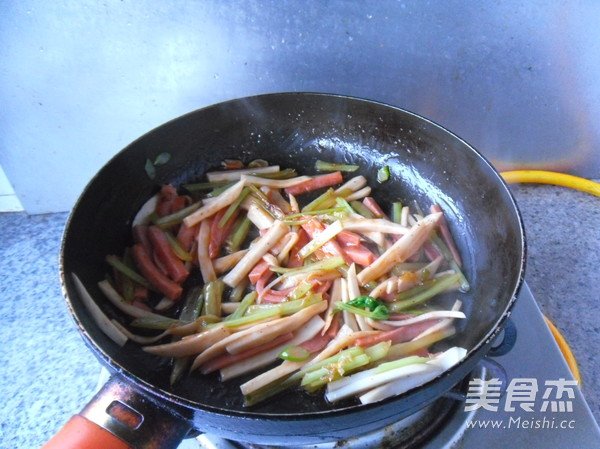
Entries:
{"x":79,"y":80}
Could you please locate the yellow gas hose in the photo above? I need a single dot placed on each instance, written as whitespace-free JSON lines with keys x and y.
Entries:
{"x":566,"y":350}
{"x":549,"y":177}
{"x":573,"y":182}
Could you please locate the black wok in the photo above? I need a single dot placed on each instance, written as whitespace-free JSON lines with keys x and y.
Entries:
{"x":428,"y":164}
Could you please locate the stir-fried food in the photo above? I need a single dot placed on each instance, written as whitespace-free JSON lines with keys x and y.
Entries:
{"x":292,"y":280}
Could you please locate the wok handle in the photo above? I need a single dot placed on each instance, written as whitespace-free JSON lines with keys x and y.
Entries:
{"x":82,"y":433}
{"x":509,"y":338}
{"x":119,"y":416}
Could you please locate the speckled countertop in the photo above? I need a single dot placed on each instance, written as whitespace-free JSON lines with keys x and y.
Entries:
{"x":48,"y":373}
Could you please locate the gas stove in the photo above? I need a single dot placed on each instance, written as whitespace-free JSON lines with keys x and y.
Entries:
{"x":538,"y":406}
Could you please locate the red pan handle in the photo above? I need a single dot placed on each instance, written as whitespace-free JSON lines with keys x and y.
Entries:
{"x":122,"y":417}
{"x":82,"y":433}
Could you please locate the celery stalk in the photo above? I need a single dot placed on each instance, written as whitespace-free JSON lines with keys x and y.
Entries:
{"x":117,"y":264}
{"x":345,"y":205}
{"x":177,"y":248}
{"x":414,"y":291}
{"x":441,"y":246}
{"x":176,"y":217}
{"x":218,"y":190}
{"x":125,"y":284}
{"x":378,"y":351}
{"x":323,"y":201}
{"x":244,"y":304}
{"x":383,"y":174}
{"x":294,"y":380}
{"x":272,"y":389}
{"x":315,"y":379}
{"x":287,"y":307}
{"x":206,"y":185}
{"x":331,"y":166}
{"x":326,"y":264}
{"x":321,"y":239}
{"x":346,"y":353}
{"x":213,"y":296}
{"x":399,"y":363}
{"x":361,"y":209}
{"x":281,"y":174}
{"x":397,"y":212}
{"x":265,"y":203}
{"x":365,"y":380}
{"x":239,"y":234}
{"x":316,"y":212}
{"x":237,"y":292}
{"x":438,"y":285}
{"x":233,"y":207}
{"x":300,"y":291}
{"x":191,"y":309}
{"x":464,"y":283}
{"x":152,"y":322}
{"x":251,"y":318}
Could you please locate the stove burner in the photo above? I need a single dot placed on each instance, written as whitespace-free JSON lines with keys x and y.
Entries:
{"x":438,"y":425}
